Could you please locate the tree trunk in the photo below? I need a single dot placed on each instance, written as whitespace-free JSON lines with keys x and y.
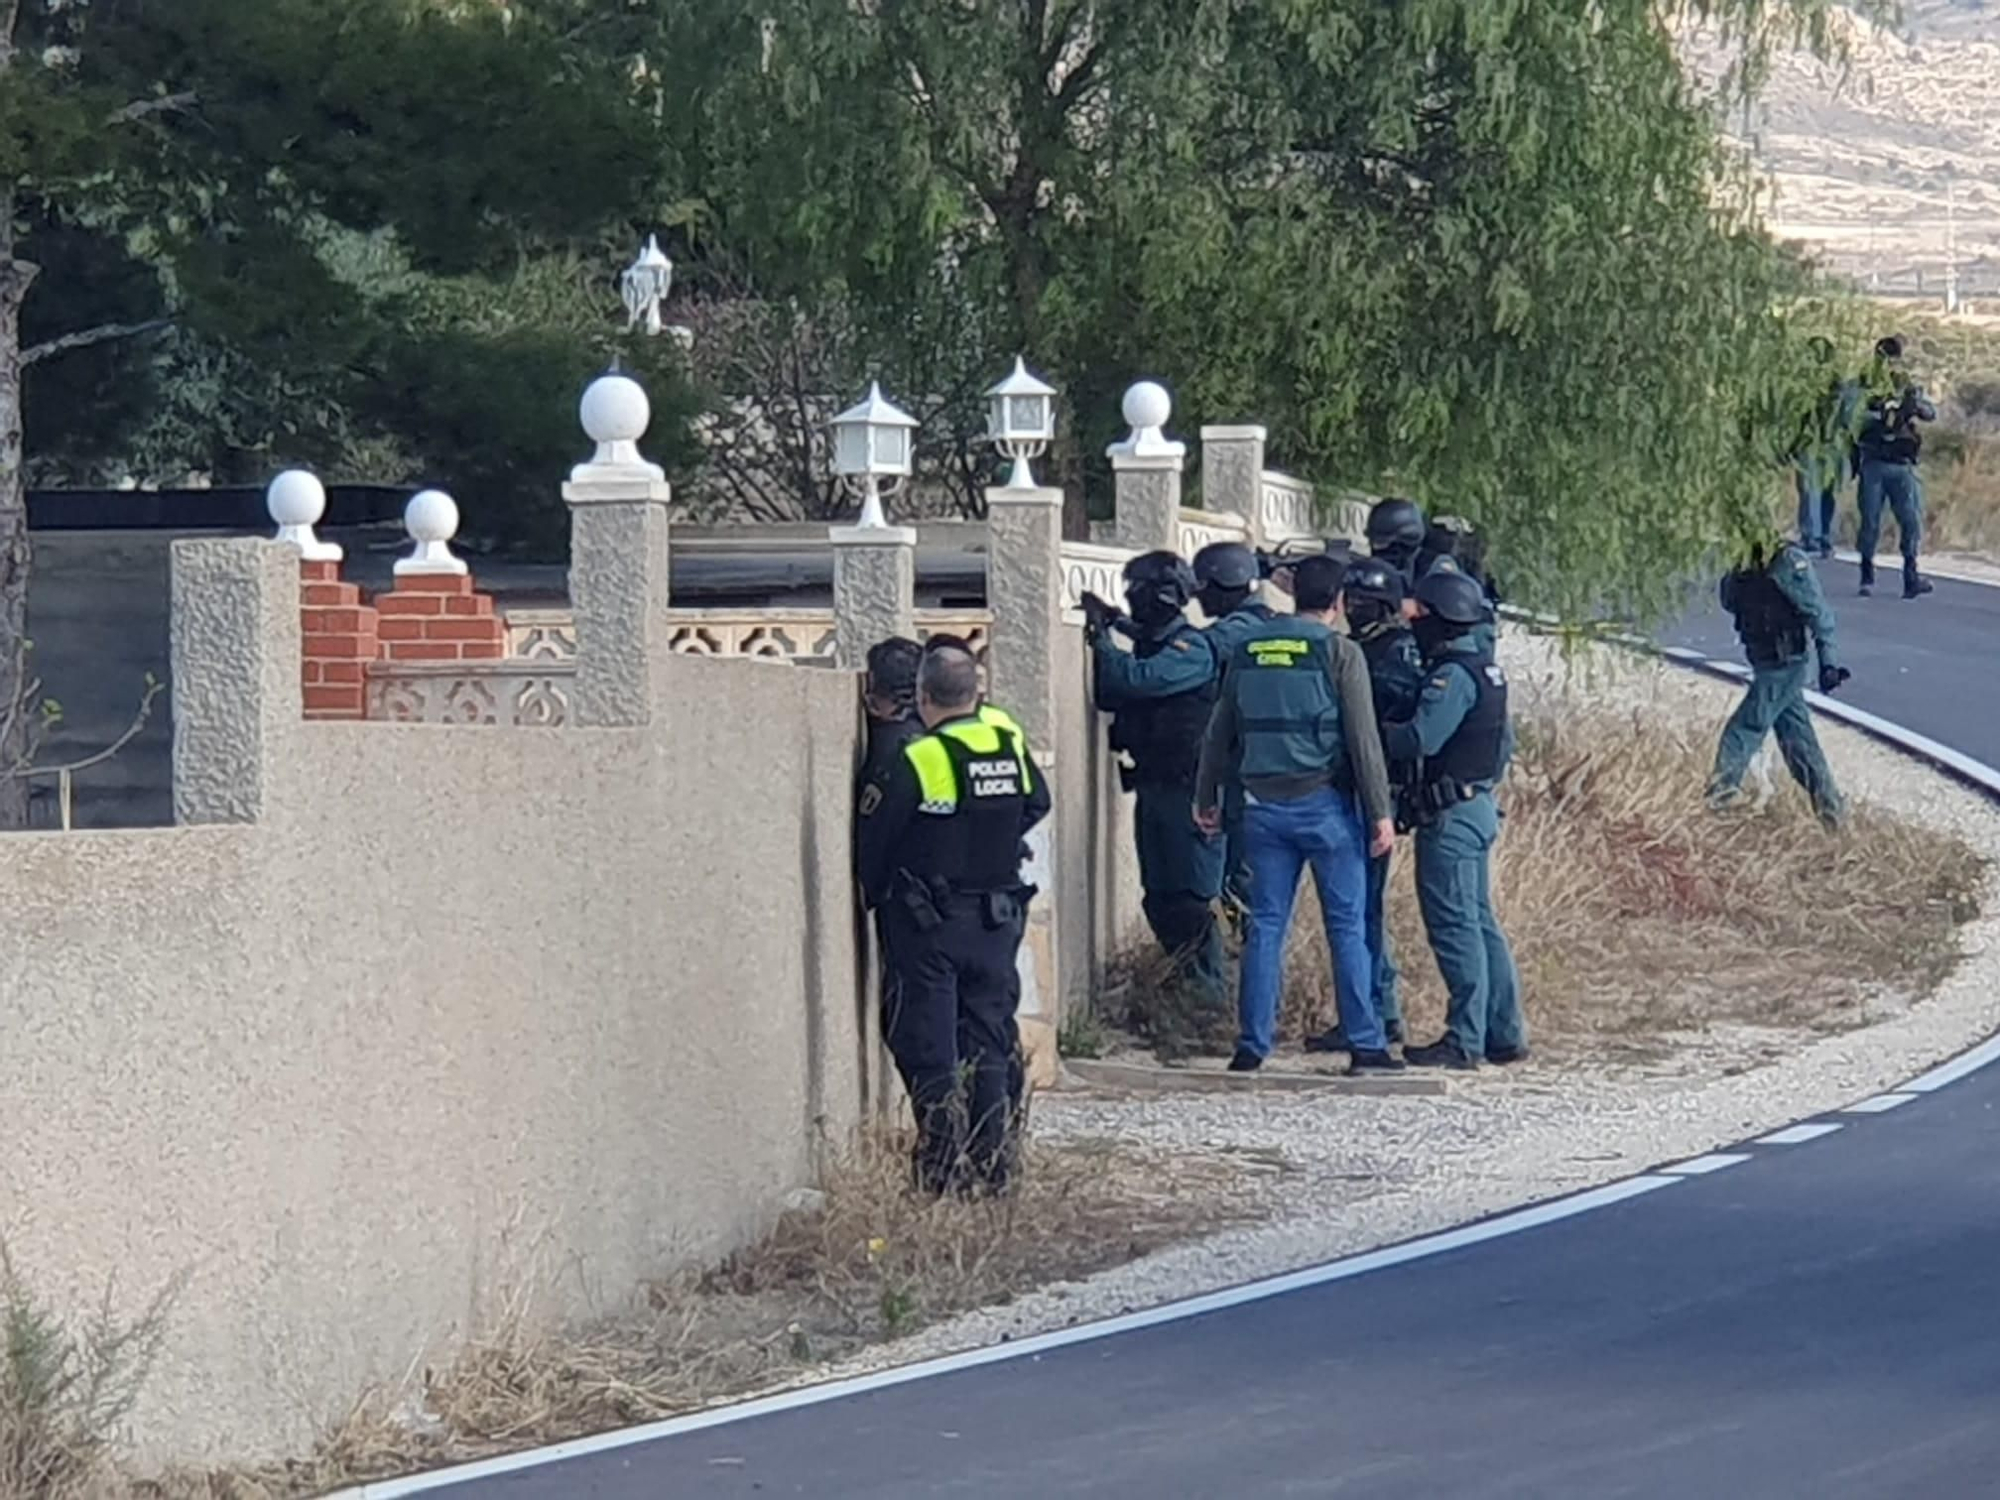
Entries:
{"x":16,"y":555}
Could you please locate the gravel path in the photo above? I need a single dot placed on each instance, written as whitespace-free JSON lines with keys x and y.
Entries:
{"x":1336,"y":1175}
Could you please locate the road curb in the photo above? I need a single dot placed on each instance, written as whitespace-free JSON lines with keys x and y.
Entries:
{"x":1144,"y":1078}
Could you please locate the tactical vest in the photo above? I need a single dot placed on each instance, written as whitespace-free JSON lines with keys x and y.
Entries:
{"x":1889,"y":436}
{"x":973,"y":780}
{"x":1163,"y":735}
{"x":1395,"y":672}
{"x":1472,"y":755}
{"x":1770,"y":626}
{"x":1288,"y":713}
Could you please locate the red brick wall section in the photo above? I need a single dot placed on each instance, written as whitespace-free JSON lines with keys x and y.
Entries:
{"x":439,"y":617}
{"x":339,"y":640}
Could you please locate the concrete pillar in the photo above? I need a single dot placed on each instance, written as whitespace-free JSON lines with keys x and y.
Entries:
{"x":618,"y":561}
{"x":1146,"y":470}
{"x":234,"y":645}
{"x":874,"y":589}
{"x":1024,"y":591}
{"x":1232,"y":474}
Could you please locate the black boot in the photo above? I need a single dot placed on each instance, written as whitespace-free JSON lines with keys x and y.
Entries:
{"x":1442,"y":1053}
{"x":1915,"y":585}
{"x":1333,"y":1039}
{"x":1867,"y":578}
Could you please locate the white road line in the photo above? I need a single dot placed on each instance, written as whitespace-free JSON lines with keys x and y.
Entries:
{"x":1173,"y":1312}
{"x":1797,"y":1135}
{"x":1959,"y":1067}
{"x":1701,"y":1166}
{"x":1881,"y":1104}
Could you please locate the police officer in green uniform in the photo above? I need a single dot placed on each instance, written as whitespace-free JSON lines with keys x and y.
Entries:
{"x":1395,"y":532}
{"x":1461,"y":735}
{"x":1781,"y":616}
{"x":1159,"y":694}
{"x":1225,"y":575}
{"x":1371,"y":595}
{"x":944,"y":841}
{"x":889,"y":697}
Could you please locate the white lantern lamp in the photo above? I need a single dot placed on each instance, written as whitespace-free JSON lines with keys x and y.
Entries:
{"x":296,"y":500}
{"x":431,"y":518}
{"x":871,"y":452}
{"x":644,"y":286}
{"x":1021,"y":421}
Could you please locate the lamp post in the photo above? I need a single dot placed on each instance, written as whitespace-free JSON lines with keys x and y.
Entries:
{"x":871,"y":452}
{"x":644,"y":286}
{"x":1021,"y":421}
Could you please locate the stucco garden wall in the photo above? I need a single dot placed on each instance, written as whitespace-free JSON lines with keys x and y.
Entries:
{"x":459,"y":1011}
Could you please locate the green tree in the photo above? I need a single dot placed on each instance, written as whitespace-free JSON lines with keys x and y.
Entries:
{"x":1494,"y":254}
{"x":181,"y":191}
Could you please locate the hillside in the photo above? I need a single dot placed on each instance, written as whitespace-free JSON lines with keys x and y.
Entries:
{"x":1863,"y":165}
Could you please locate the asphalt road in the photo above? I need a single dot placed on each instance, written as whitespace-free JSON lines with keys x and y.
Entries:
{"x":1815,"y":1320}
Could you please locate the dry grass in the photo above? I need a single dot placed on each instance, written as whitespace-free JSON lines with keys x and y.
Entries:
{"x":868,"y":1260}
{"x":1636,"y":916}
{"x":1961,"y":473}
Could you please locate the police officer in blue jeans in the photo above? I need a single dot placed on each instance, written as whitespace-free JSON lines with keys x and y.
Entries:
{"x":1890,"y":445}
{"x":1295,"y":723}
{"x":1461,"y":735}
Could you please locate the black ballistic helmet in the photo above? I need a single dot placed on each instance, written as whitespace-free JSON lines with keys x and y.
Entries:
{"x":892,"y":669}
{"x":1159,"y":577}
{"x":1225,"y":565}
{"x":1394,"y":523}
{"x":1452,"y":596}
{"x":1371,"y":578}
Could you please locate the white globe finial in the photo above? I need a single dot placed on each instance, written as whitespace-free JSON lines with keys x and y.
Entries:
{"x":296,"y":500}
{"x":431,"y":518}
{"x":615,"y":414}
{"x":1147,"y":407}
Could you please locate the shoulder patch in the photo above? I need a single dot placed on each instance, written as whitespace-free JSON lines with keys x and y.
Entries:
{"x":1441,"y":681}
{"x":1494,"y":675}
{"x":871,"y":798}
{"x":1799,"y":562}
{"x":1181,"y":644}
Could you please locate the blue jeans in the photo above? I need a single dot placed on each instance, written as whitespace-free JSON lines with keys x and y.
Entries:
{"x":1281,"y":838}
{"x":1387,"y":1007}
{"x":1896,"y":485}
{"x":1817,"y":480}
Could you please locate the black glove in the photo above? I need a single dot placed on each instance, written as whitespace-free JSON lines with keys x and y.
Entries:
{"x":1832,"y":677}
{"x":1098,"y":617}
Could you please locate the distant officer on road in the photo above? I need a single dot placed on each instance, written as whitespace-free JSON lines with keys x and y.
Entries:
{"x":1824,"y":453}
{"x":1781,"y":616}
{"x":1159,"y":695}
{"x":944,"y":841}
{"x":1461,"y":735}
{"x":1890,"y":444}
{"x":1371,"y":597}
{"x":1225,"y":575}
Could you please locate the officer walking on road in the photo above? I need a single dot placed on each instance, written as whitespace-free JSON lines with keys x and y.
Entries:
{"x":944,"y":839}
{"x":1371,"y":594}
{"x":1225,"y":575}
{"x":1159,"y":695}
{"x":1890,"y":444}
{"x":1461,"y":736}
{"x":1780,"y":615}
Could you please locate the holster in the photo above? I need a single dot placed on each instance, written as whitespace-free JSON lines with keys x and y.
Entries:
{"x":1128,"y":776}
{"x":1000,"y":910}
{"x":919,"y":901}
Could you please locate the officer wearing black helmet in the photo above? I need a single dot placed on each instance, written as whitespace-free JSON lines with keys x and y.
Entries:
{"x":1452,"y":542}
{"x":1371,"y":595}
{"x":1160,"y":694}
{"x":1461,"y":735}
{"x":1395,"y":532}
{"x":1225,"y":575}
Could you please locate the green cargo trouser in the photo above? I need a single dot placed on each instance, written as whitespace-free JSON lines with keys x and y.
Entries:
{"x":1180,"y":871}
{"x":1775,"y":702}
{"x":1455,"y":894}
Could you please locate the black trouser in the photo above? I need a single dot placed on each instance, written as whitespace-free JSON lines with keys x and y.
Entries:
{"x":948,"y":1017}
